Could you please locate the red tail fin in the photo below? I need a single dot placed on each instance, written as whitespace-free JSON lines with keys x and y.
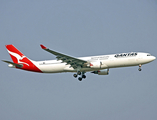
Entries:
{"x":15,"y":54}
{"x":19,"y":58}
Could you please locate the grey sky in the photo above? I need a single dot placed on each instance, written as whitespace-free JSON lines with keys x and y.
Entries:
{"x":78,"y":28}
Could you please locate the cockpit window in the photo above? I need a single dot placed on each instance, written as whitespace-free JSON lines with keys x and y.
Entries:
{"x":148,"y":54}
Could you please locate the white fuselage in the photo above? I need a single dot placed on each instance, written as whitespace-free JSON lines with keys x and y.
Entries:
{"x":106,"y":62}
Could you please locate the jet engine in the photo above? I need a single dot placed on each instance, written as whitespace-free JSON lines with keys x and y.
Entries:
{"x":101,"y":72}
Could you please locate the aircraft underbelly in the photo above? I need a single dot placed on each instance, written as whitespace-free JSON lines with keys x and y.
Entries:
{"x":56,"y":68}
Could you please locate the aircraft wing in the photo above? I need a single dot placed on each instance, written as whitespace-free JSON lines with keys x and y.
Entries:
{"x":74,"y":62}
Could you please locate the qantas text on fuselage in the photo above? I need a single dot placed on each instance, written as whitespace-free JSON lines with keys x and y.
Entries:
{"x":95,"y":64}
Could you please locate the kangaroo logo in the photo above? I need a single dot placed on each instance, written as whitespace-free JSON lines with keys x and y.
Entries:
{"x":18,"y":57}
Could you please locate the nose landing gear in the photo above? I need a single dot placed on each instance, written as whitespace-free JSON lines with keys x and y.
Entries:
{"x":140,"y":67}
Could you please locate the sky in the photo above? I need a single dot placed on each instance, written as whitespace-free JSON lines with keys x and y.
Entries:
{"x":78,"y":28}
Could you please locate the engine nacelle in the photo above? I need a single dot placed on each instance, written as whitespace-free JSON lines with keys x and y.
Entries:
{"x":96,"y":65}
{"x":102,"y":72}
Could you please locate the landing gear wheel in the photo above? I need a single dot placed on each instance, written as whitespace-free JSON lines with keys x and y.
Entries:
{"x":75,"y":75}
{"x":139,"y":69}
{"x":83,"y":76}
{"x":80,"y":79}
{"x":79,"y":73}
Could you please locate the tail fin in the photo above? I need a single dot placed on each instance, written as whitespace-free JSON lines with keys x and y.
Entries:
{"x":20,"y":60}
{"x":15,"y":54}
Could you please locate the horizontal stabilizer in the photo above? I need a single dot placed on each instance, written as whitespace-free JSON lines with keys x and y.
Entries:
{"x":14,"y":64}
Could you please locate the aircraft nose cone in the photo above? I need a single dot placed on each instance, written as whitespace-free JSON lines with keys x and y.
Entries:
{"x":154,"y":57}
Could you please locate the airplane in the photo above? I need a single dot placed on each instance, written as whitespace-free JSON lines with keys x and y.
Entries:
{"x":95,"y":64}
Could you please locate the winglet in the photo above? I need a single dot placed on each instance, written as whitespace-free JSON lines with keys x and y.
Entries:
{"x":43,"y":47}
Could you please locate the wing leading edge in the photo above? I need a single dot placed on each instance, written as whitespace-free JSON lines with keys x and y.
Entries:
{"x":72,"y":61}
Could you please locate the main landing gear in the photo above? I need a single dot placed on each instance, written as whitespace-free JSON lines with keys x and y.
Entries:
{"x":79,"y":73}
{"x":140,"y":67}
